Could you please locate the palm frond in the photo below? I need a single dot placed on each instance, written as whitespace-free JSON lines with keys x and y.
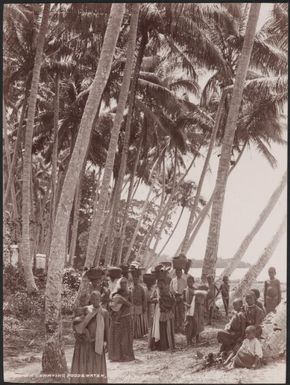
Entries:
{"x":270,"y":89}
{"x":266,"y":152}
{"x":162,"y":95}
{"x":187,"y":85}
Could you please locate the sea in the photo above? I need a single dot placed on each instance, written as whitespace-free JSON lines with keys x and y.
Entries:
{"x":239,"y":274}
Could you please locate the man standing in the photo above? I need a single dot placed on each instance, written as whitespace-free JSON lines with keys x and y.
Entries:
{"x":177,"y":287}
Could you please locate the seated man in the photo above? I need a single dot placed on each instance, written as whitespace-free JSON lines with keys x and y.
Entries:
{"x":234,"y":330}
{"x":254,"y":315}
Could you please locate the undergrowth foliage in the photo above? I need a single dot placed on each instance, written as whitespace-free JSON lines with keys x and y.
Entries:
{"x":19,"y":306}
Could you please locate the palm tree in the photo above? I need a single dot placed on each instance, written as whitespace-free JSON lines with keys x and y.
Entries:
{"x":261,"y":220}
{"x":254,"y":271}
{"x":128,"y":201}
{"x":26,"y":256}
{"x":53,"y":360}
{"x":154,"y":175}
{"x":125,"y":150}
{"x":224,"y":163}
{"x":75,"y":219}
{"x":96,"y":226}
{"x":203,"y":173}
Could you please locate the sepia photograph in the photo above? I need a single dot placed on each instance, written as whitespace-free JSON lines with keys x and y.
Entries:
{"x":145,"y":192}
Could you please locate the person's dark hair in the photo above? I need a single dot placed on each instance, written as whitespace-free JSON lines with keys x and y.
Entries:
{"x":256,"y":292}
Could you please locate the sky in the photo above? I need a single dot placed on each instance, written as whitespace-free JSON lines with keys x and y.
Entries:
{"x":248,"y":190}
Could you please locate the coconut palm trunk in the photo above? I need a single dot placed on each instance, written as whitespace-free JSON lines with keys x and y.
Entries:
{"x":125,"y":150}
{"x":128,"y":202}
{"x":166,"y":209}
{"x":224,"y":163}
{"x":163,"y":223}
{"x":261,"y":220}
{"x":203,"y":173}
{"x":11,"y":171}
{"x":26,"y":256}
{"x":172,"y":232}
{"x":97,"y":222}
{"x":76,"y":217}
{"x":53,"y":199}
{"x":254,"y":271}
{"x":53,"y":359}
{"x":204,"y":212}
{"x":144,"y":208}
{"x":148,"y":238}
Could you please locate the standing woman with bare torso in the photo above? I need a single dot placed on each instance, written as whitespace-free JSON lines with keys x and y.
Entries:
{"x":121,"y":325}
{"x":91,"y":332}
{"x":272,"y":291}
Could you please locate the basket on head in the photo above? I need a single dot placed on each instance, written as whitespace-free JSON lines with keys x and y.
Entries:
{"x":114,"y":272}
{"x":124,"y":269}
{"x":167,"y":264}
{"x":95,"y":273}
{"x":149,"y":279}
{"x":179,"y":262}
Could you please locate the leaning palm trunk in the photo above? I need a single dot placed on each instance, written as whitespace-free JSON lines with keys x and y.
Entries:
{"x":166,"y":210}
{"x":26,"y":256}
{"x":147,"y":239}
{"x":172,"y":232}
{"x":254,"y":271}
{"x":204,"y":212}
{"x":11,"y":171}
{"x":261,"y":220}
{"x":203,"y":173}
{"x":97,"y":222}
{"x":125,"y":150}
{"x":53,"y":359}
{"x":224,"y":163}
{"x":144,"y":209}
{"x":128,"y":203}
{"x":163,"y":223}
{"x":8,"y":162}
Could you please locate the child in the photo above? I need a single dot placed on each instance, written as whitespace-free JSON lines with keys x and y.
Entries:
{"x":189,"y":303}
{"x":250,"y":353}
{"x":80,"y":313}
{"x":272,"y":291}
{"x":225,"y":291}
{"x":253,"y":314}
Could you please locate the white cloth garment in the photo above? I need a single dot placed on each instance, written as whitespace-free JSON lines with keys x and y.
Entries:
{"x":178,"y":285}
{"x":252,"y":347}
{"x":156,"y":318}
{"x":100,"y":330}
{"x":190,"y":311}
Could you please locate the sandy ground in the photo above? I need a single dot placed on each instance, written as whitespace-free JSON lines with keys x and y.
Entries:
{"x":156,"y":367}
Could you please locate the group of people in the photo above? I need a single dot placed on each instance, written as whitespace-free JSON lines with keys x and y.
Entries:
{"x":115,"y":309}
{"x":240,"y":339}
